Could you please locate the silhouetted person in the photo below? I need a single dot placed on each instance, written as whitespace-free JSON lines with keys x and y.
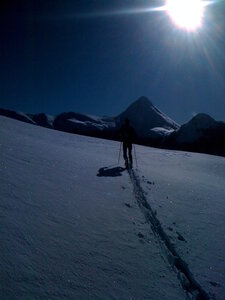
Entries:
{"x":127,"y":134}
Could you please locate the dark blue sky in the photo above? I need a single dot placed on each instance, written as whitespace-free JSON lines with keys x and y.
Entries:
{"x":54,"y":58}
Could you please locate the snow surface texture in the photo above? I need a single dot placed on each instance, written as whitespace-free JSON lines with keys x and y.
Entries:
{"x":75,"y":225}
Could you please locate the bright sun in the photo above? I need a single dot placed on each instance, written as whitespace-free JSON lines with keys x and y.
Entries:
{"x":186,"y":14}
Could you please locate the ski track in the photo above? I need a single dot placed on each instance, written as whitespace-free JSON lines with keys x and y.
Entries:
{"x":184,"y":275}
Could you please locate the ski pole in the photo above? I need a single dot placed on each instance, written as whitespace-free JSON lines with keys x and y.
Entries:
{"x":119,"y":153}
{"x":135,"y":156}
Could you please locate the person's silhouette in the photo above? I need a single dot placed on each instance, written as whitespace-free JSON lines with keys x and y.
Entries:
{"x":127,"y":134}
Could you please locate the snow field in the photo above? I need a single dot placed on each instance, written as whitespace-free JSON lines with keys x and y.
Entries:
{"x":189,"y":198}
{"x":68,"y":233}
{"x":71,"y":226}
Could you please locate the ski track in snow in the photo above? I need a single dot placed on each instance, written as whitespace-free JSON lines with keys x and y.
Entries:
{"x":184,"y":275}
{"x":36,"y":188}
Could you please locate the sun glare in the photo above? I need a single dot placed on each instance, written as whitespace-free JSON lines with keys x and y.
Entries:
{"x":186,"y":14}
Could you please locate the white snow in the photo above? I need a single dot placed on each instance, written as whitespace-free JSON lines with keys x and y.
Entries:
{"x":162,"y":131}
{"x":167,"y":119}
{"x":50,"y":119}
{"x":71,"y":122}
{"x":75,"y":225}
{"x":189,"y":197}
{"x":89,"y":125}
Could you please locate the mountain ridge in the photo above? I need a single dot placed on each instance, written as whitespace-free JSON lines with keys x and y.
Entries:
{"x":153,"y":128}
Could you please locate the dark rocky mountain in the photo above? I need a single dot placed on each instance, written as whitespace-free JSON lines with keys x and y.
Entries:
{"x":201,"y":134}
{"x":42,"y":120}
{"x":16,"y":115}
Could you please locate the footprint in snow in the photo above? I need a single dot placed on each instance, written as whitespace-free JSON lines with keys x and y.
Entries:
{"x":140,"y":235}
{"x":213,"y":283}
{"x":180,"y":237}
{"x":141,"y":238}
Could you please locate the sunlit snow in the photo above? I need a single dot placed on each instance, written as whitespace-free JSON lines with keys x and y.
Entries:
{"x":76,"y":225}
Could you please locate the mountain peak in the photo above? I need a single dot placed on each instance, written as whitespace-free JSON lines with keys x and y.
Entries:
{"x":203,"y":116}
{"x":145,"y":116}
{"x":202,"y":121}
{"x":143,"y":101}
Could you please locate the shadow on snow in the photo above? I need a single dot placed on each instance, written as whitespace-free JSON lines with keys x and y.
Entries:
{"x":110,"y":172}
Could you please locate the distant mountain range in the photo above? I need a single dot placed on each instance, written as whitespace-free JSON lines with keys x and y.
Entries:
{"x":153,"y":128}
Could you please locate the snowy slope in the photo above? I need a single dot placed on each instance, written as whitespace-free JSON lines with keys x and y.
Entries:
{"x":189,"y":197}
{"x":75,"y":225}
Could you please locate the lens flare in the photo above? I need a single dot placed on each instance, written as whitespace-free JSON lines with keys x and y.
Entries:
{"x":186,"y":14}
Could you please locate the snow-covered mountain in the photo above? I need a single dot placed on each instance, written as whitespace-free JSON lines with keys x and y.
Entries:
{"x":142,"y":113}
{"x":76,"y":225}
{"x":144,"y":116}
{"x":84,"y":124}
{"x":36,"y":119}
{"x":20,"y":116}
{"x":202,"y":133}
{"x":152,"y":127}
